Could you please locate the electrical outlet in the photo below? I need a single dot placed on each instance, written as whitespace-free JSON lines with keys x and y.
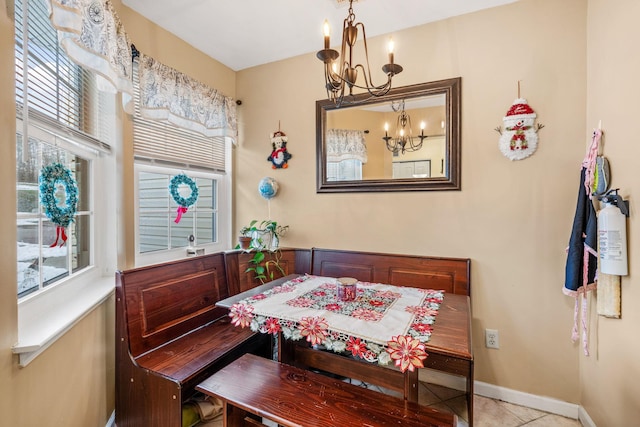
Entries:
{"x":491,"y":338}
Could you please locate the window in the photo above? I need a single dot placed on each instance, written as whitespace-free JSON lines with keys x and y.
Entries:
{"x":44,"y":259}
{"x":162,"y":151}
{"x":157,"y":212}
{"x":61,"y":118}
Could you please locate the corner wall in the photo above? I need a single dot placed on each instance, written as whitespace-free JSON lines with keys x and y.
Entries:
{"x":610,"y":377}
{"x":511,"y":218}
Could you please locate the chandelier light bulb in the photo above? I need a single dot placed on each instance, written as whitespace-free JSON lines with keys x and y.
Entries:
{"x":422,"y":125}
{"x":327,"y":32}
{"x":391,"y":46}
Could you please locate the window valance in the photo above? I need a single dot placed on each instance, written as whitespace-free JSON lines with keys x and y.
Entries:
{"x":93,"y":36}
{"x":344,"y":144}
{"x":167,"y":94}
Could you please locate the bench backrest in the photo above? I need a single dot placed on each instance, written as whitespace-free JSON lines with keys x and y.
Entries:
{"x":449,"y":274}
{"x":164,"y":301}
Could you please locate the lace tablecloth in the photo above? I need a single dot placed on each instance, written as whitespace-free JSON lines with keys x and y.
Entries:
{"x":384,"y":323}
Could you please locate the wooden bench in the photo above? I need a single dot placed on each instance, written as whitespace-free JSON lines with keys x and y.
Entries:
{"x":170,"y":336}
{"x":292,"y":397}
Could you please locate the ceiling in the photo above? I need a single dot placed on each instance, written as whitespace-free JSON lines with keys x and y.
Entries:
{"x":246,"y":33}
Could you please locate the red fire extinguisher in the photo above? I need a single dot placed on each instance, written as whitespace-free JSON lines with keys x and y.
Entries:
{"x":612,"y":234}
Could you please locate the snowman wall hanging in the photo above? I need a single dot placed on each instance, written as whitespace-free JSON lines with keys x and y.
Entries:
{"x":519,"y":139}
{"x":279,"y":154}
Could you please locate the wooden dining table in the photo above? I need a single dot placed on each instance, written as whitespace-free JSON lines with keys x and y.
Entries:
{"x":448,"y":349}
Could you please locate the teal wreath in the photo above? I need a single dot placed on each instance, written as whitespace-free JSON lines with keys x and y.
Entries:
{"x":50,"y":176}
{"x":173,"y":189}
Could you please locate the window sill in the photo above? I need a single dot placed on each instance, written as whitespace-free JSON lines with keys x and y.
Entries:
{"x":47,"y":317}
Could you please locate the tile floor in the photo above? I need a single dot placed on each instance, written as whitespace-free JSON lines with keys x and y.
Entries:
{"x":487,"y":412}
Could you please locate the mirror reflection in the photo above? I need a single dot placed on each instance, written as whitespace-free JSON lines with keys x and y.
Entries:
{"x":390,"y":140}
{"x":406,"y":140}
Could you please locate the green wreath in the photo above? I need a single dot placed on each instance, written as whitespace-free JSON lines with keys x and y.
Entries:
{"x":50,"y":177}
{"x":183,"y":203}
{"x":173,"y":188}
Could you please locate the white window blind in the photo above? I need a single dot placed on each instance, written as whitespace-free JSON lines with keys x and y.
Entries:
{"x":61,"y":96}
{"x":163,"y":143}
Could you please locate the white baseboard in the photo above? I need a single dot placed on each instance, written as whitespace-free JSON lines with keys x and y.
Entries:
{"x":541,"y":403}
{"x":112,"y":420}
{"x":585,"y":419}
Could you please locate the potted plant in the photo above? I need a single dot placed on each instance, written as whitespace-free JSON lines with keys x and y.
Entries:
{"x":265,"y":237}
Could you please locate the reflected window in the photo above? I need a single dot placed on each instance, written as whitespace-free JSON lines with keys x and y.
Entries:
{"x":345,"y":170}
{"x":346,"y":153}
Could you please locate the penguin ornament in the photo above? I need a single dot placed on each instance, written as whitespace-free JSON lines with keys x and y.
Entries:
{"x":279,"y":154}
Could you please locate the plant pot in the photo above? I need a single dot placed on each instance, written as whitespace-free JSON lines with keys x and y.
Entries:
{"x":245,"y":242}
{"x":264,"y":239}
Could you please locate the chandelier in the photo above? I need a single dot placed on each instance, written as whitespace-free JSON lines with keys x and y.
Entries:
{"x":403,"y":140}
{"x":342,"y":76}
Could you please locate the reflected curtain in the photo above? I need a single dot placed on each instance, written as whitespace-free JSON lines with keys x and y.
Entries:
{"x":167,"y":94}
{"x":93,"y":36}
{"x":344,"y":144}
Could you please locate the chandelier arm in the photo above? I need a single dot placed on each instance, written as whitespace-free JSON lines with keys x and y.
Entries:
{"x":370,"y":87}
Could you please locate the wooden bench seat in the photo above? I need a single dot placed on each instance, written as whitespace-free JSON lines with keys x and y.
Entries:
{"x":171,"y":336}
{"x":197,"y":353}
{"x":296,"y":397}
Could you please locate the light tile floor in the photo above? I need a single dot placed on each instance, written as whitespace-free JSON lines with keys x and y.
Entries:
{"x":489,"y":412}
{"x":486,"y":412}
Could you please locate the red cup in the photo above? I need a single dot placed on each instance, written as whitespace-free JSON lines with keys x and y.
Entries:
{"x":346,"y":289}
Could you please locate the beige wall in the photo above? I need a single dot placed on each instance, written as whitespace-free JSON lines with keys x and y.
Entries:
{"x":610,"y":378}
{"x":72,"y":383}
{"x":511,"y":218}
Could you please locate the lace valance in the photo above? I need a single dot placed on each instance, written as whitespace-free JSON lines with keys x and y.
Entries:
{"x":167,"y":94}
{"x":93,"y":36}
{"x":343,"y":144}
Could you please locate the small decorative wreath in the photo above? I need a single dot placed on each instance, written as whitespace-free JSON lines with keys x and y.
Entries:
{"x":173,"y":188}
{"x":183,"y":203}
{"x":50,"y":176}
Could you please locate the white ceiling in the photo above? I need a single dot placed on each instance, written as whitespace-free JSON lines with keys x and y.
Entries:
{"x":245,"y":33}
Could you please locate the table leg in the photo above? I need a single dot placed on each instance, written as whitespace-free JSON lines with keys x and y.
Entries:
{"x":411,"y":382}
{"x":470,"y":394}
{"x":286,"y":350}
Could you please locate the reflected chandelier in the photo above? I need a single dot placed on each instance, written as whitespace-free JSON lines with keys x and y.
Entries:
{"x":343,"y":74}
{"x":403,"y":140}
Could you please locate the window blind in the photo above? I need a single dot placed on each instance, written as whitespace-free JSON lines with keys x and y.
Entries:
{"x":164,"y":143}
{"x":60,"y":95}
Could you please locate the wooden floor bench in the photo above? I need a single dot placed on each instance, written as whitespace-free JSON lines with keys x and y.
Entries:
{"x":171,"y":336}
{"x":253,"y":387}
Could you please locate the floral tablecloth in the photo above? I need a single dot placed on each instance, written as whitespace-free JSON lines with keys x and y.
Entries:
{"x":384,"y":323}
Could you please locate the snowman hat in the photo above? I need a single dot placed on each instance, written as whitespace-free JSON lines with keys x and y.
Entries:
{"x":520,"y":110}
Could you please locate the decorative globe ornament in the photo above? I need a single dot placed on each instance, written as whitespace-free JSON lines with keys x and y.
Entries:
{"x":268,"y":187}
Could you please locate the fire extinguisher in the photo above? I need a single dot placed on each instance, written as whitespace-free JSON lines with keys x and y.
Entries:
{"x":612,"y":233}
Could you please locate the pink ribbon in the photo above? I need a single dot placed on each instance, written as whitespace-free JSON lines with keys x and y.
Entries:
{"x":60,"y":235}
{"x":181,"y":210}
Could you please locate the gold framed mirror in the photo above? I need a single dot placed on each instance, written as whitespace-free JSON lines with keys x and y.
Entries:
{"x":406,"y":140}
